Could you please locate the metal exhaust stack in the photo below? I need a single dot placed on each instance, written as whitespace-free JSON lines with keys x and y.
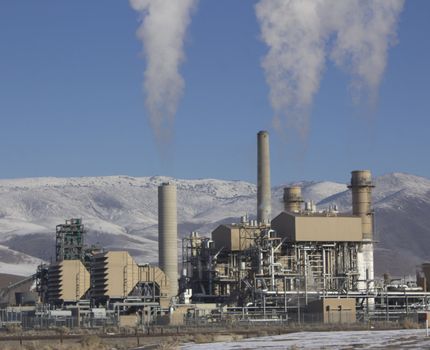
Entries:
{"x":168,"y":235}
{"x":263,"y":180}
{"x":293,"y":199}
{"x":361,"y":187}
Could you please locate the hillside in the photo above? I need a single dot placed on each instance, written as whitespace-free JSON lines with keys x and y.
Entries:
{"x":120,"y":212}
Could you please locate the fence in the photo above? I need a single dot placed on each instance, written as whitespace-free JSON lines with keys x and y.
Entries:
{"x":28,"y":320}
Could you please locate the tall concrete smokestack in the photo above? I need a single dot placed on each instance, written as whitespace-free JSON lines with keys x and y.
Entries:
{"x":361,"y":187}
{"x":168,"y":235}
{"x":293,"y":199}
{"x":263,"y":181}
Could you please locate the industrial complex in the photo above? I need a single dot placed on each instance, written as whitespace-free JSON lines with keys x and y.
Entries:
{"x":302,"y":264}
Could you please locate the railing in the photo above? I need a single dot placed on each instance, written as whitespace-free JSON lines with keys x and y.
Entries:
{"x":233,"y":318}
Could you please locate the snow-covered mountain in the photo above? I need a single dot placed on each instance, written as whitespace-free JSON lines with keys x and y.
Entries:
{"x":120,"y":212}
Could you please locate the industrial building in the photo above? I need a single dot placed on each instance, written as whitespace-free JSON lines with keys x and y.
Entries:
{"x":302,"y":261}
{"x":68,"y":282}
{"x":299,"y":262}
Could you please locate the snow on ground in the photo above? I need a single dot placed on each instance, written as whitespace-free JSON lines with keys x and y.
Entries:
{"x":126,"y":207}
{"x":395,"y":339}
{"x":19,"y":270}
{"x":20,"y":264}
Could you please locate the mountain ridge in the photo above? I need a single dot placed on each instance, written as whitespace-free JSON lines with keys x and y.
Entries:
{"x":120,"y":212}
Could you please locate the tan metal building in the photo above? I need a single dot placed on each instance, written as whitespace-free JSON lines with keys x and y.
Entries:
{"x":114,"y":274}
{"x":68,"y":281}
{"x":334,"y":310}
{"x":153,"y":274}
{"x":235,"y":237}
{"x":318,"y":228}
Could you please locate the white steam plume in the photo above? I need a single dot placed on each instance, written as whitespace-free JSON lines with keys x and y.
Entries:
{"x":162,"y":31}
{"x":301,"y":34}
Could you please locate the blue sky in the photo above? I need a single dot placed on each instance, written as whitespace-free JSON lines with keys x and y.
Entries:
{"x":71,"y":100}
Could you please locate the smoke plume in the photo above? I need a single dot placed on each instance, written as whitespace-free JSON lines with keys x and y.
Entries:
{"x":162,"y":31}
{"x":302,"y":34}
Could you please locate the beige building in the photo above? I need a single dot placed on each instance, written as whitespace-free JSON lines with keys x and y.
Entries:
{"x":68,"y":281}
{"x":334,"y":310}
{"x":235,"y":237}
{"x":116,"y":274}
{"x":318,"y":227}
{"x":153,"y":274}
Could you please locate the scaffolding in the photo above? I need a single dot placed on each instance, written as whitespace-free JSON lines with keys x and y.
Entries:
{"x":267,"y":272}
{"x":69,"y":241}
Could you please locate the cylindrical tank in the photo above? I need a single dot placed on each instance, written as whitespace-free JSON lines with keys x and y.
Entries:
{"x":361,"y":187}
{"x":263,"y":178}
{"x":293,"y":199}
{"x":168,"y":235}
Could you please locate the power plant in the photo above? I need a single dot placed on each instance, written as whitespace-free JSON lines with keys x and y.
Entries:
{"x":299,"y":263}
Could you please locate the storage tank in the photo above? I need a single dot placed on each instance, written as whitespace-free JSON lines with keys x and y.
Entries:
{"x":168,"y":235}
{"x":263,"y":178}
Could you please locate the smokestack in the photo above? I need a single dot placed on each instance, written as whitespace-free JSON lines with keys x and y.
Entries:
{"x":361,"y":187}
{"x":168,"y":235}
{"x":293,"y":199}
{"x":263,"y":181}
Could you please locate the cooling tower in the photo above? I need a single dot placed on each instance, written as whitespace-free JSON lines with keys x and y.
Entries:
{"x":293,"y":199}
{"x":263,"y":180}
{"x":361,"y":187}
{"x":168,"y":235}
